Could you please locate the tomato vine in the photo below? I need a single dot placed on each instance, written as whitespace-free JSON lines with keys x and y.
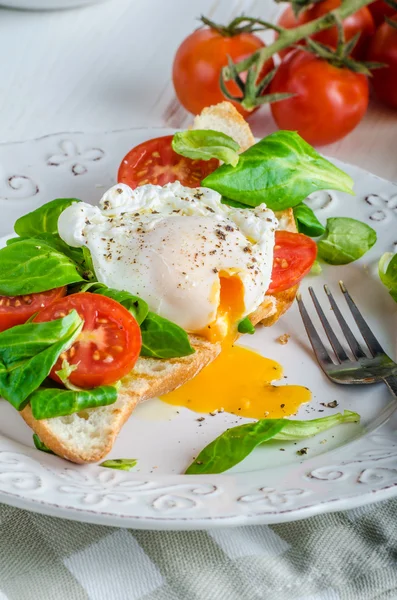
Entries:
{"x":253,"y":87}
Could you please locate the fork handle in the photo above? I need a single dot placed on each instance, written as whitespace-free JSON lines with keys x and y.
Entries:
{"x":391,"y":383}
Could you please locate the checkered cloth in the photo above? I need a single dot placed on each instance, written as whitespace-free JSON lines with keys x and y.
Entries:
{"x":346,"y":556}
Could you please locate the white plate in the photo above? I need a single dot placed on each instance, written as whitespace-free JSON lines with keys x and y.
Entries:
{"x":356,"y":465}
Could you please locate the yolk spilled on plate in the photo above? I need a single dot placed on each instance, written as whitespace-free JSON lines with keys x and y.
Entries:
{"x":240,"y":382}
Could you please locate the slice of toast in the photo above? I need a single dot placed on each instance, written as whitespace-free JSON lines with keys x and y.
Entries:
{"x":89,"y":435}
{"x":225,"y":118}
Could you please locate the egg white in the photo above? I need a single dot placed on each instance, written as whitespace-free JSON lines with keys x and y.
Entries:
{"x":170,"y":245}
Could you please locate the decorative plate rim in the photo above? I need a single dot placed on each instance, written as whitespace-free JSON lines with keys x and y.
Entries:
{"x":31,"y":480}
{"x":105,"y":132}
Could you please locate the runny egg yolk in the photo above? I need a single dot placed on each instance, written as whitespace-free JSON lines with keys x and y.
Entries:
{"x":240,"y":380}
{"x":230,"y":310}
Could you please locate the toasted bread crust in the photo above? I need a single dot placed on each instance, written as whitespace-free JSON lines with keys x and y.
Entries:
{"x":152,"y":383}
{"x":225,"y":118}
{"x":284,"y":300}
{"x":46,"y":434}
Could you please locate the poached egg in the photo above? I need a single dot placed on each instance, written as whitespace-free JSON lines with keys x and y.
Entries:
{"x":201,"y":264}
{"x":197,"y":262}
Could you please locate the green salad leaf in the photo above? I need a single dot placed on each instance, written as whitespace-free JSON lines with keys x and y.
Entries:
{"x":137,"y":307}
{"x":121,"y":464}
{"x":204,"y":144}
{"x":300,"y":430}
{"x":47,"y":403}
{"x":233,"y":203}
{"x":245,"y":326}
{"x":44,"y":219}
{"x":316,"y":268}
{"x":28,"y":352}
{"x":56,"y":242}
{"x":88,"y":264}
{"x":307,"y":222}
{"x":65,"y":372}
{"x":30,"y":266}
{"x":41,"y":445}
{"x":80,"y":256}
{"x":163,"y":339}
{"x":281,"y":170}
{"x":235,"y":444}
{"x":388,"y":273}
{"x":160,"y":338}
{"x":345,"y":241}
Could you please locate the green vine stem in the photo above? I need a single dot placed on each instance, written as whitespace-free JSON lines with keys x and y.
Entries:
{"x":286,"y":38}
{"x":239,"y":25}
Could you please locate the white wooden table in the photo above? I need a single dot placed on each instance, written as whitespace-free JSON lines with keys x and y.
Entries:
{"x":108,"y":67}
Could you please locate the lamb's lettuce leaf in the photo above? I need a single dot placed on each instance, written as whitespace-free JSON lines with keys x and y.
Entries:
{"x":206,"y":144}
{"x":47,"y":403}
{"x":235,"y":444}
{"x":41,"y":445}
{"x":28,"y":352}
{"x":44,"y":219}
{"x":163,"y":339}
{"x":307,"y":222}
{"x":388,"y":273}
{"x":31,"y":266}
{"x":121,"y":464}
{"x":280,"y":170}
{"x":137,"y":307}
{"x":345,"y":241}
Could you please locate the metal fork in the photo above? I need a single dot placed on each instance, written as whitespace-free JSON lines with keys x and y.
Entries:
{"x":361,"y":368}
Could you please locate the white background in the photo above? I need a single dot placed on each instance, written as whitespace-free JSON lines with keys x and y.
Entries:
{"x":108,"y":66}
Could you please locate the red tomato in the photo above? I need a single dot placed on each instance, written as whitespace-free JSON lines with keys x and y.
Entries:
{"x":360,"y":21}
{"x":156,"y":162}
{"x":329,"y":101}
{"x":383,"y":48}
{"x":16,"y":310}
{"x":108,"y":346}
{"x":379,"y":10}
{"x":198,"y":64}
{"x":294,"y":255}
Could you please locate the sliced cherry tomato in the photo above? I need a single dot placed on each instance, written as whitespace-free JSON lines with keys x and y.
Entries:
{"x":108,"y":345}
{"x":383,"y":49}
{"x":379,"y":10}
{"x":16,"y":310}
{"x":328,"y":102}
{"x":359,"y":22}
{"x":156,"y":162}
{"x":294,"y":255}
{"x":198,"y":64}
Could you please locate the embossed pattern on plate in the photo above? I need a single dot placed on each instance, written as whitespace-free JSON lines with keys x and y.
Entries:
{"x":350,"y":466}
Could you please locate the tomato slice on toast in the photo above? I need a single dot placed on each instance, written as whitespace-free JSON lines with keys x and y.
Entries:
{"x":294,"y":255}
{"x":157,"y":163}
{"x":16,"y":310}
{"x":108,"y":346}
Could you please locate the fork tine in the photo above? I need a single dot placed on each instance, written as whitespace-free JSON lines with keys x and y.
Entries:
{"x":371,"y":341}
{"x":347,"y":332}
{"x":319,"y":349}
{"x":337,"y":347}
